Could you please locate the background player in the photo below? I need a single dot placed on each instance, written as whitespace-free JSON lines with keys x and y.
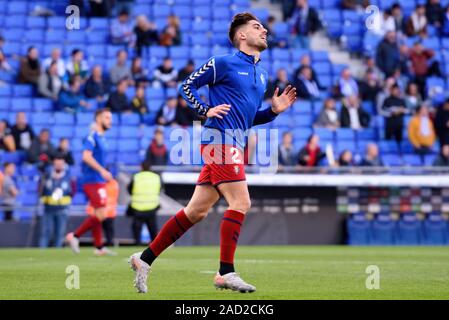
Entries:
{"x":94,"y":178}
{"x":236,"y":87}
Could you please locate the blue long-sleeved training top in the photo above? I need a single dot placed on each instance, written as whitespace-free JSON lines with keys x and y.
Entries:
{"x":234,"y":79}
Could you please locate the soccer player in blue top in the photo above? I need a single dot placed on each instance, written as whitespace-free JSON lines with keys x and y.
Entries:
{"x":94,"y":178}
{"x":237,"y":85}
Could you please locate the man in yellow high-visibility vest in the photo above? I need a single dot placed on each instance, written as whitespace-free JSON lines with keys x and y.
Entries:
{"x":145,"y":189}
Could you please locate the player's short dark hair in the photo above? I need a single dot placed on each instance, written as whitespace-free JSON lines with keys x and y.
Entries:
{"x":146,"y":165}
{"x":239,"y":20}
{"x":99,"y":112}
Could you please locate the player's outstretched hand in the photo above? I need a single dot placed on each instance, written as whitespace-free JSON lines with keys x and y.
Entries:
{"x":282,"y":102}
{"x":106,"y":175}
{"x":218,"y":111}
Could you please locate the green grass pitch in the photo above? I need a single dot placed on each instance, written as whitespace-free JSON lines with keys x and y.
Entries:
{"x":286,"y":272}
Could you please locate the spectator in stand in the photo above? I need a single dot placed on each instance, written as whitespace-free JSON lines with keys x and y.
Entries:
{"x":72,"y":100}
{"x":139,"y":73}
{"x":388,"y":55}
{"x":384,"y":94}
{"x":306,"y":87}
{"x":49,"y":83}
{"x":442,"y":123}
{"x":121,"y":70}
{"x":55,"y":57}
{"x":370,"y":87}
{"x":122,"y":29}
{"x":287,"y":156}
{"x":421,"y":68}
{"x":157,"y":152}
{"x":22,"y":132}
{"x":434,"y":13}
{"x":328,"y":117}
{"x":369,"y":66}
{"x":9,"y":191}
{"x":146,"y":34}
{"x":77,"y":66}
{"x":165,"y":75}
{"x":6,"y":139}
{"x":97,"y":86}
{"x":185,"y":72}
{"x":41,"y":150}
{"x":274,"y":41}
{"x":184,"y":114}
{"x":303,"y":23}
{"x":371,"y":158}
{"x":413,"y":98}
{"x":305,"y":61}
{"x":171,"y":35}
{"x":421,"y":132}
{"x":445,"y":27}
{"x":353,"y":115}
{"x":63,"y":150}
{"x":354,"y":4}
{"x":394,"y":110}
{"x":398,"y":18}
{"x":166,"y":115}
{"x":139,"y":103}
{"x":311,"y":155}
{"x":118,"y":101}
{"x":417,"y":23}
{"x":280,"y":82}
{"x":56,"y":195}
{"x":4,"y":65}
{"x":442,"y":160}
{"x":345,"y":159}
{"x":347,"y":86}
{"x":30,"y":68}
{"x":288,"y":6}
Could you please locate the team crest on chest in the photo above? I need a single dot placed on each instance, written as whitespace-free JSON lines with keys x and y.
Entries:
{"x":236,"y":169}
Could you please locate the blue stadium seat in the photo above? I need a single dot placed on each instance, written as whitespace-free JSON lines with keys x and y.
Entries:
{"x":42,"y":105}
{"x":391,"y":160}
{"x":5,"y":91}
{"x":36,"y":23}
{"x":180,"y":52}
{"x":359,"y":230}
{"x":324,"y":134}
{"x":435,"y":230}
{"x":128,"y":145}
{"x":345,"y":134}
{"x":22,"y":90}
{"x":96,"y":50}
{"x":303,"y":120}
{"x":130,"y":119}
{"x":16,"y":21}
{"x":21,"y":104}
{"x":42,"y":118}
{"x":383,"y":230}
{"x":161,"y":10}
{"x":60,"y":131}
{"x":99,"y":23}
{"x":301,"y":134}
{"x":182,"y":11}
{"x":409,"y":230}
{"x":17,"y":8}
{"x":345,"y":145}
{"x":303,"y":106}
{"x":79,"y":199}
{"x":62,"y":118}
{"x":129,"y":132}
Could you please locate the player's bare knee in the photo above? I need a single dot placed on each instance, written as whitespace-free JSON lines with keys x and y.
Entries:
{"x":242,"y":205}
{"x":196,"y":215}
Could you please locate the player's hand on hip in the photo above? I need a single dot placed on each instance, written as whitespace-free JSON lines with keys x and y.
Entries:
{"x":218,"y":111}
{"x":282,"y":102}
{"x":106,"y":175}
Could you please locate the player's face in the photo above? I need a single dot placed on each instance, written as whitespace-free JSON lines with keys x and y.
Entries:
{"x":106,"y":121}
{"x":256,"y":35}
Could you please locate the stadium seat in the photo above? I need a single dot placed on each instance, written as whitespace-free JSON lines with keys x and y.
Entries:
{"x":130,"y":119}
{"x":435,"y":230}
{"x":409,"y":230}
{"x":383,"y":230}
{"x":359,"y":230}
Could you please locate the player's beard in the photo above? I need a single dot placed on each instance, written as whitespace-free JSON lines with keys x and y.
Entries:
{"x":105,"y":127}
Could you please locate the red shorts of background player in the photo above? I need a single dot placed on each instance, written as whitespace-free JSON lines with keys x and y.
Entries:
{"x":222,"y":163}
{"x":96,"y":194}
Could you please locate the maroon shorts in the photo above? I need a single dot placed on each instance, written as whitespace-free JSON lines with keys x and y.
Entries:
{"x":222,"y":163}
{"x":96,"y":194}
